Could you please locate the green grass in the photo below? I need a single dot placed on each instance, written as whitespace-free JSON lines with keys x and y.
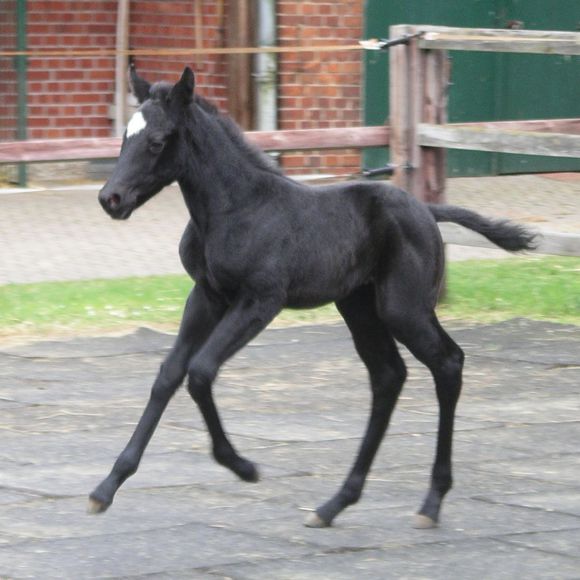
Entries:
{"x":99,"y":304}
{"x":537,"y":288}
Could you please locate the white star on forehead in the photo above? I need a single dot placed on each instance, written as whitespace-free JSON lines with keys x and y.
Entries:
{"x":136,"y":124}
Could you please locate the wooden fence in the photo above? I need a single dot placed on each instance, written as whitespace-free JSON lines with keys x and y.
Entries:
{"x":418,"y":134}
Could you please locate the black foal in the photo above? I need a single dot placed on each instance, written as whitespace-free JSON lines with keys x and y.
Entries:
{"x":258,"y":242}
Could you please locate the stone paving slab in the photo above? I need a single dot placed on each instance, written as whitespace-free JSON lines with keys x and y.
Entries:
{"x":195,"y":546}
{"x":296,"y":401}
{"x":493,"y":559}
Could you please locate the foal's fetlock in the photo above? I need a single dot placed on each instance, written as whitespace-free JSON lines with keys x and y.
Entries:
{"x":351,"y":492}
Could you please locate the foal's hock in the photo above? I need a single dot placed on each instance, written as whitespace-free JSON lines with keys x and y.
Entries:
{"x":258,"y":242}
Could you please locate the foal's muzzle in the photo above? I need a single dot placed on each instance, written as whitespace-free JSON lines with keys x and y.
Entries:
{"x":114,"y":204}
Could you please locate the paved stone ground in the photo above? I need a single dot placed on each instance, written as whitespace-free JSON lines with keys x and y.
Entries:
{"x":295,"y":400}
{"x":63,"y":234}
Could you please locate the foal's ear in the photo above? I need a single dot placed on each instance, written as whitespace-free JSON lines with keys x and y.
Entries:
{"x":182,"y":92}
{"x":139,"y":87}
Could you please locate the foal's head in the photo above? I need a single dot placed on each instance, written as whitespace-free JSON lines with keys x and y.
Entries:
{"x":150,"y":158}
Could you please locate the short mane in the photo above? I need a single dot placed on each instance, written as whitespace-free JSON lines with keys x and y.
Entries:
{"x":160,"y":92}
{"x":252,"y":153}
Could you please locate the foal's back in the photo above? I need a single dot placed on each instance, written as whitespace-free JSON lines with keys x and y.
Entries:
{"x":345,"y":236}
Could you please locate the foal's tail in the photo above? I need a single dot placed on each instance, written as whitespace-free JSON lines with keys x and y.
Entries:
{"x":503,"y":233}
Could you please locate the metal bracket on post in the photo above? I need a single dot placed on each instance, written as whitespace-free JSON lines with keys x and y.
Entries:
{"x":385,"y":43}
{"x":388,"y":169}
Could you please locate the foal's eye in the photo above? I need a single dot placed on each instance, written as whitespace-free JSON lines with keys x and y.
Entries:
{"x":156,"y":147}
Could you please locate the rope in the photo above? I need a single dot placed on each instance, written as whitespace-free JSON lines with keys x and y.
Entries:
{"x":429,"y":36}
{"x":100,"y":52}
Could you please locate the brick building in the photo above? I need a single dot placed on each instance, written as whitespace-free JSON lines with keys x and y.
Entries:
{"x":74,"y":97}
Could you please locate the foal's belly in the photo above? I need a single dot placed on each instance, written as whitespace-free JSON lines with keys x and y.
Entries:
{"x":305,"y":301}
{"x":323,"y":282}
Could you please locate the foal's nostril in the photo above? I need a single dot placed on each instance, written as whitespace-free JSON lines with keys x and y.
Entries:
{"x":114,"y":201}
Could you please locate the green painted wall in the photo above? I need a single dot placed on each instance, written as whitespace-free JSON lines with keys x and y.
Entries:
{"x":486,"y":86}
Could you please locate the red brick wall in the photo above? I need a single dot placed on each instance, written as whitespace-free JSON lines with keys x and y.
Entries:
{"x":71,"y":97}
{"x":320,"y":90}
{"x":8,"y":88}
{"x":169,"y":24}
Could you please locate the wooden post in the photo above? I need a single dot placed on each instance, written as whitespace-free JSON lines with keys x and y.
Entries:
{"x":240,"y":33}
{"x":432,"y":170}
{"x":419,"y":81}
{"x":405,"y":106}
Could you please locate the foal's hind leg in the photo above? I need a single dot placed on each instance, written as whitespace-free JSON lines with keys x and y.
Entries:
{"x":387,"y":374}
{"x":200,"y":317}
{"x":431,"y":345}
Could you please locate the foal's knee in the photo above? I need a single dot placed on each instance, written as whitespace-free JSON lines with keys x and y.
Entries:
{"x":168,"y":380}
{"x":387,"y":381}
{"x":199,"y":383}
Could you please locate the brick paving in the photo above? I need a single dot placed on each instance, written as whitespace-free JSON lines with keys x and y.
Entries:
{"x":63,"y":234}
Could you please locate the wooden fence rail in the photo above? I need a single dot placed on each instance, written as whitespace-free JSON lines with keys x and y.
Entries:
{"x":54,"y":150}
{"x":505,"y":141}
{"x":500,"y":40}
{"x":42,"y":150}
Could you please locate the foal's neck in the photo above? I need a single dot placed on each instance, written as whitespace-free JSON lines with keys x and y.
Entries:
{"x":222,"y":171}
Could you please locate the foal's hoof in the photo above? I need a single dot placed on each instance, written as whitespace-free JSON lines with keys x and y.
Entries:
{"x":247,"y":471}
{"x":96,"y":507}
{"x":244,"y":469}
{"x":422,"y":522}
{"x":313,"y":520}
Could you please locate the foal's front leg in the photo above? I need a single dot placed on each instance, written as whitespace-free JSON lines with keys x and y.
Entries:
{"x":200,"y":317}
{"x":243,"y":321}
